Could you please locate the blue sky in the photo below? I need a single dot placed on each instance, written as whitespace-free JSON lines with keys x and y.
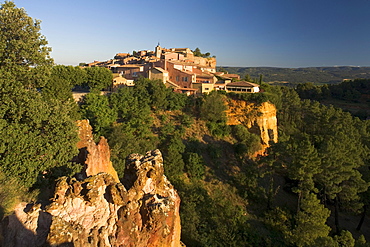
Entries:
{"x":246,"y":33}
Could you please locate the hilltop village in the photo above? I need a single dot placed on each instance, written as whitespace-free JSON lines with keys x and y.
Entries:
{"x":178,"y":68}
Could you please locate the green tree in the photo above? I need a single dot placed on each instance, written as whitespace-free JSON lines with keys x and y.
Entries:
{"x":73,"y":75}
{"x":12,"y":192}
{"x":173,"y":149}
{"x":361,"y":242}
{"x":58,"y":88}
{"x":176,"y":101}
{"x":247,"y":77}
{"x":335,"y":139}
{"x":38,"y":135}
{"x":260,"y":81}
{"x":342,"y":153}
{"x":23,"y":51}
{"x":98,"y":78}
{"x":132,"y":109}
{"x":194,"y":165}
{"x":124,"y":140}
{"x":248,"y":143}
{"x":213,"y":110}
{"x":345,"y":239}
{"x":96,"y":108}
{"x":60,"y":83}
{"x":310,"y":221}
{"x":133,"y":131}
{"x":198,"y":53}
{"x":290,"y":113}
{"x":154,"y":92}
{"x":301,"y":162}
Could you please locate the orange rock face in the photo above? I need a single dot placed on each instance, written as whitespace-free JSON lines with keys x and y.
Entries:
{"x":259,"y":119}
{"x":97,"y":211}
{"x":95,"y":157}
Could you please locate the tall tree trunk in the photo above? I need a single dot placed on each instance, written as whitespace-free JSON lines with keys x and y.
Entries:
{"x":299,"y":201}
{"x":362,"y":219}
{"x":270,"y":193}
{"x":336,"y":215}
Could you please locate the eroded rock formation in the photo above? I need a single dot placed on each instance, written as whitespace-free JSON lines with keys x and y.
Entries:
{"x":143,"y":210}
{"x":258,"y":118}
{"x":95,"y":157}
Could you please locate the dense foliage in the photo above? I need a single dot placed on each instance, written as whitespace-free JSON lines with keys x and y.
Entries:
{"x":322,"y":151}
{"x":37,"y":132}
{"x":23,"y":50}
{"x":322,"y":154}
{"x":350,"y":95}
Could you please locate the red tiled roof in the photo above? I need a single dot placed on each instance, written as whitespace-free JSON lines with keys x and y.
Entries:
{"x":230,"y":76}
{"x":242,"y":84}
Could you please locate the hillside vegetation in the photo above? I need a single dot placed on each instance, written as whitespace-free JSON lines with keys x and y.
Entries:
{"x":350,"y":95}
{"x":317,"y":170}
{"x":294,"y":76}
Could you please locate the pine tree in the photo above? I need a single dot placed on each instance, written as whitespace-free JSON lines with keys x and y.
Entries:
{"x":310,"y":221}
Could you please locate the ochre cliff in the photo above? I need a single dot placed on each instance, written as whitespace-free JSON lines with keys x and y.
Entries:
{"x":258,"y":118}
{"x":95,"y":157}
{"x":97,"y":211}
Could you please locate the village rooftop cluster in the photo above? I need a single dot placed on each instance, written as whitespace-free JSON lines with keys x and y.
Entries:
{"x":178,"y":68}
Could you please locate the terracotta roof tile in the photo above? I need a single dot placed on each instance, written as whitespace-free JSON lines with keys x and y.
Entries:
{"x":243,"y":84}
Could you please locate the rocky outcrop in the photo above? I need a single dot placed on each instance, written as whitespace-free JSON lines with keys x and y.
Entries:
{"x":143,"y":210}
{"x":95,"y":157}
{"x":258,"y":118}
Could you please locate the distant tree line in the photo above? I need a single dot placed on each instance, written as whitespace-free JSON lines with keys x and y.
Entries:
{"x":294,"y":76}
{"x":352,"y":95}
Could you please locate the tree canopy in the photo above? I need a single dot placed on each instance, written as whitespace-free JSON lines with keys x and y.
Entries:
{"x":37,"y":132}
{"x":98,"y":78}
{"x":24,"y":54}
{"x":198,"y":53}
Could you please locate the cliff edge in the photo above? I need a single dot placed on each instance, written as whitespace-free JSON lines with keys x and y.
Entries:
{"x":99,"y":210}
{"x":258,"y":118}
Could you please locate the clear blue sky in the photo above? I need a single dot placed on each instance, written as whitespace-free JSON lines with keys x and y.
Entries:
{"x":247,"y":33}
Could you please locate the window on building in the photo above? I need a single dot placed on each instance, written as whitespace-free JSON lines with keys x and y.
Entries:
{"x":177,"y":78}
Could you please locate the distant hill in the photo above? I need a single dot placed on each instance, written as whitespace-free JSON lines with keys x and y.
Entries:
{"x":317,"y":75}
